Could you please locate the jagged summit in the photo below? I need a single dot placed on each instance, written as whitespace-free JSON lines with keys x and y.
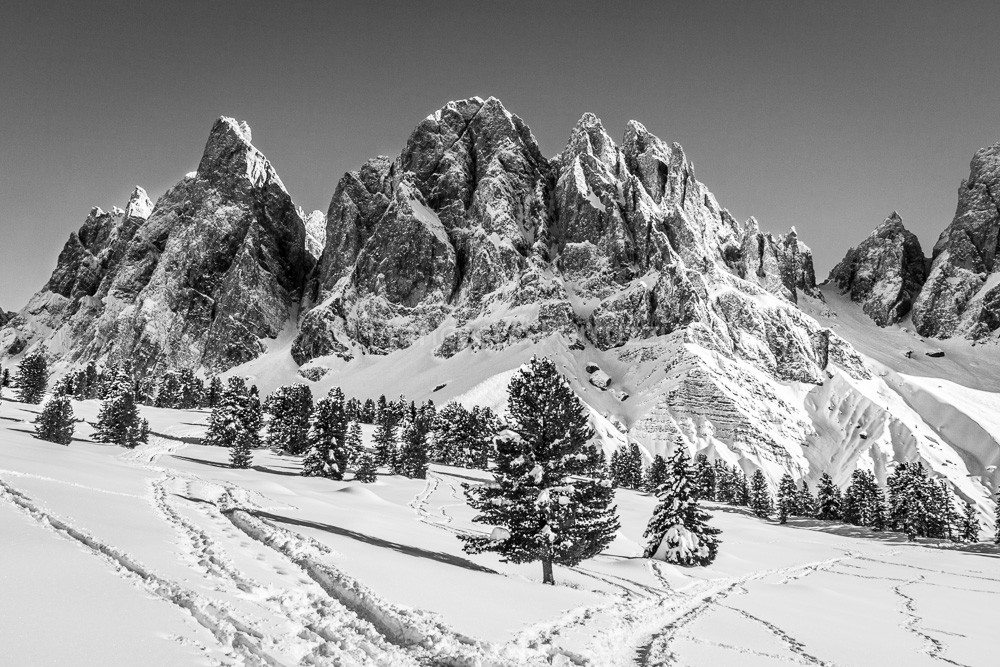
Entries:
{"x":139,"y":205}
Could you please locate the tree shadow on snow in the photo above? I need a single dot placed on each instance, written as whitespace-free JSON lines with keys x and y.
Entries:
{"x":409,"y":550}
{"x":891,"y":537}
{"x":189,"y":439}
{"x":290,"y":472}
{"x":477,"y":480}
{"x":191,"y":459}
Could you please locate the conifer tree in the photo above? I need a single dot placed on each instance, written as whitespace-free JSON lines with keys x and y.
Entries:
{"x":656,"y":474}
{"x":290,"y":408}
{"x":724,"y":488}
{"x":214,"y":393}
{"x":910,"y":500}
{"x":828,"y":499}
{"x":634,"y":467}
{"x":970,"y":524}
{"x":788,"y":498}
{"x":168,"y":391}
{"x":678,"y":531}
{"x":412,"y":458}
{"x":241,"y":452}
{"x":741,"y":495}
{"x":385,"y":439}
{"x":863,"y":502}
{"x":5,"y":378}
{"x":64,"y":386}
{"x":236,"y":420}
{"x":551,"y":501}
{"x":327,"y":439}
{"x":617,"y":469}
{"x":483,"y":429}
{"x":32,"y":378}
{"x":807,"y":503}
{"x":760,"y":495}
{"x":705,"y":475}
{"x":452,"y":436}
{"x":368,"y":412}
{"x":192,"y":390}
{"x":353,"y":443}
{"x":366,"y":471}
{"x":119,"y":420}
{"x":56,"y":421}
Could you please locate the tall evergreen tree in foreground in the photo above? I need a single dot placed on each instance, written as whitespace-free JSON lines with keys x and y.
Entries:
{"x":235,"y":422}
{"x":56,"y":421}
{"x":290,"y":408}
{"x":32,"y":378}
{"x":119,"y":420}
{"x":327,"y":438}
{"x":760,"y":495}
{"x":788,"y":498}
{"x":678,"y":531}
{"x":550,"y":501}
{"x":828,"y":500}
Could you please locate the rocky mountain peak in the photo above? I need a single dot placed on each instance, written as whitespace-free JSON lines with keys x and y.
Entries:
{"x":884,"y":273}
{"x":139,"y":205}
{"x":229,"y":154}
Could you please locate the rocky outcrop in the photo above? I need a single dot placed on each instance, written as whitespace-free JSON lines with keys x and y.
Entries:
{"x":961,"y":296}
{"x":196,"y":281}
{"x":884,"y":273}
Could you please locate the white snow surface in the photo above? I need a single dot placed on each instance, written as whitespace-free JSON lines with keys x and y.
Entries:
{"x":164,"y":555}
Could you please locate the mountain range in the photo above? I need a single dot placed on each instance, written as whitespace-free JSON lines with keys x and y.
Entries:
{"x":437,"y":272}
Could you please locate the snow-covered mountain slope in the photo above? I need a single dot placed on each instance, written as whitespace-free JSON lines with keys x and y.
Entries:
{"x":166,"y":556}
{"x":446,"y":267}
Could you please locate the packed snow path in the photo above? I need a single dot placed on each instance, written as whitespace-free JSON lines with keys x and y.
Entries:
{"x":164,"y":555}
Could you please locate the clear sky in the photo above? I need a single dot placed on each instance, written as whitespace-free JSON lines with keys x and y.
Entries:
{"x":823,"y":115}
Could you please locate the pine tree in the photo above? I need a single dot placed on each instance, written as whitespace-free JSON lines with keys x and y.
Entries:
{"x":741,"y":494}
{"x":678,"y":531}
{"x":760,"y":495}
{"x":5,"y":378}
{"x":452,"y":436}
{"x":970,"y":524}
{"x":412,"y":459}
{"x":910,"y":500}
{"x":192,"y":390}
{"x":788,"y":498}
{"x":483,"y":430}
{"x":290,"y":408}
{"x":633,"y":467}
{"x":864,"y":504}
{"x":705,"y":475}
{"x":214,"y":393}
{"x":168,"y":391}
{"x":366,"y":471}
{"x":56,"y":421}
{"x":241,"y":452}
{"x":236,"y":420}
{"x":353,"y":443}
{"x":828,"y":500}
{"x":656,"y":474}
{"x":32,"y":378}
{"x":551,"y":501}
{"x":64,"y":386}
{"x":724,"y":489}
{"x":327,"y":439}
{"x":807,"y":503}
{"x":617,"y":469}
{"x":385,"y":439}
{"x":368,"y":412}
{"x":119,"y":420}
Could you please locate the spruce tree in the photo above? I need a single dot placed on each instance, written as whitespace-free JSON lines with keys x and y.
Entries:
{"x":290,"y":408}
{"x":214,"y":393}
{"x":760,"y":495}
{"x":56,"y":421}
{"x":656,"y":474}
{"x":119,"y":420}
{"x":633,"y":467}
{"x":412,"y":458}
{"x":5,"y":378}
{"x":911,"y":498}
{"x":366,"y":468}
{"x":788,"y":498}
{"x":353,"y":443}
{"x":483,"y":430}
{"x":616,"y":470}
{"x":970,"y":524}
{"x":741,"y":495}
{"x":327,"y":439}
{"x":723,"y":482}
{"x":828,"y":499}
{"x":807,"y":503}
{"x":551,"y":501}
{"x":705,"y":475}
{"x":452,"y":436}
{"x":385,"y":439}
{"x":368,"y":412}
{"x":32,"y":378}
{"x":678,"y":531}
{"x":64,"y":386}
{"x":168,"y":391}
{"x":192,"y":390}
{"x":863,"y":502}
{"x":236,"y":419}
{"x":241,"y":452}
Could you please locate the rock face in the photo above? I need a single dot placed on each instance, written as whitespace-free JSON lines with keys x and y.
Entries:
{"x":884,"y":273}
{"x":961,"y":295}
{"x":196,"y":281}
{"x":473,"y":234}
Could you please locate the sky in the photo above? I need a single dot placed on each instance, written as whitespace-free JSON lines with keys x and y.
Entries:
{"x":826,"y":116}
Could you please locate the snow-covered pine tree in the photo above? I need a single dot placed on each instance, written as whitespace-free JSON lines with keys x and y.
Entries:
{"x":788,"y":498}
{"x":656,"y":474}
{"x":119,"y":420}
{"x":214,"y":393}
{"x":452,"y":435}
{"x":366,"y":471}
{"x":969,"y":531}
{"x":828,"y":499}
{"x":290,"y":408}
{"x":168,"y":390}
{"x":943,"y":517}
{"x":241,"y":453}
{"x":385,"y":438}
{"x":616,"y":469}
{"x":678,"y":531}
{"x":807,"y":503}
{"x":56,"y":421}
{"x":484,"y":428}
{"x":633,"y":467}
{"x":863,"y":502}
{"x":234,"y":415}
{"x":910,"y":500}
{"x":742,"y":488}
{"x":368,"y":412}
{"x":353,"y":443}
{"x":723,"y":482}
{"x":412,"y":457}
{"x":550,"y":501}
{"x":352,"y":409}
{"x":64,"y":386}
{"x":760,"y":495}
{"x":192,"y":390}
{"x":705,"y":476}
{"x":32,"y":378}
{"x":327,"y":439}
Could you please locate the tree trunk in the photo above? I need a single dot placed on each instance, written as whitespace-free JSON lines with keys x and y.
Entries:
{"x":547,"y":577}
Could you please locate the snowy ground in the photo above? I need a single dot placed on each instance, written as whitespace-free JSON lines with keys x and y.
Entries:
{"x":165,"y":556}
